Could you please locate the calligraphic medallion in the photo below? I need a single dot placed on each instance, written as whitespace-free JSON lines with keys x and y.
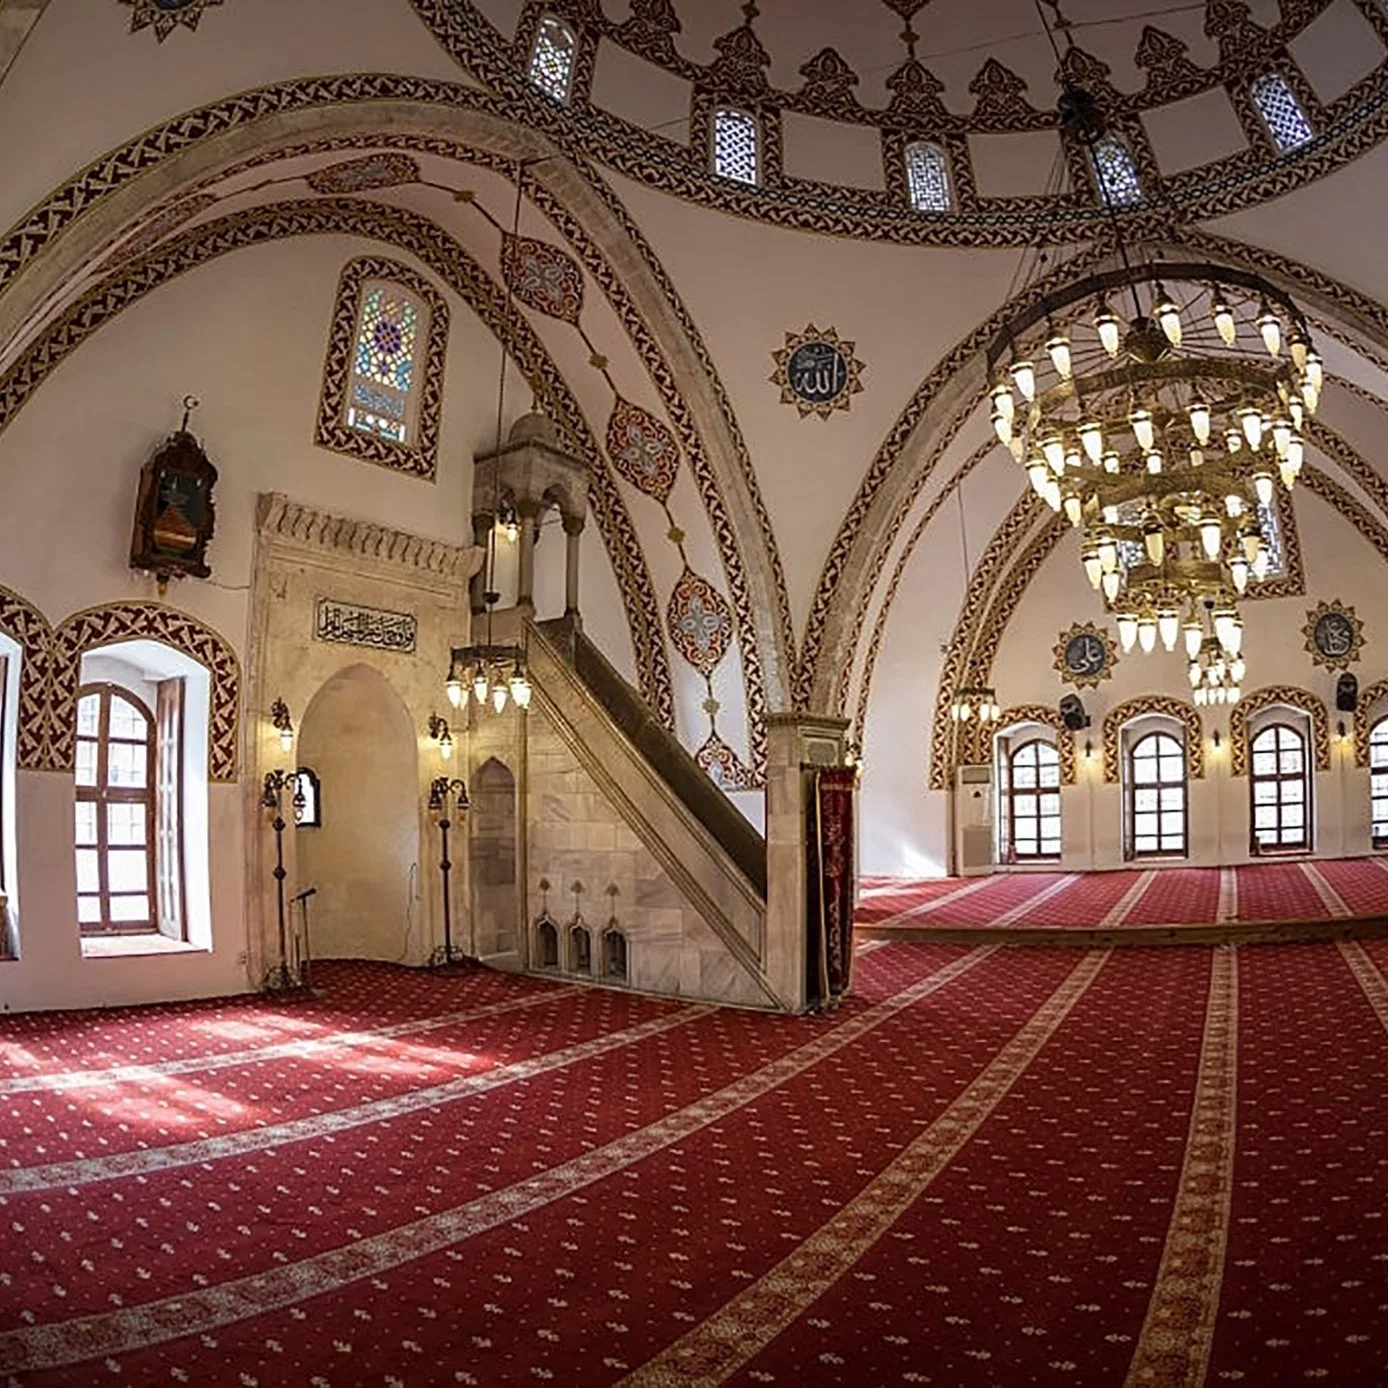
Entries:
{"x":1334,"y":635}
{"x":164,"y":15}
{"x":817,"y":372}
{"x":1085,"y":655}
{"x":350,"y":624}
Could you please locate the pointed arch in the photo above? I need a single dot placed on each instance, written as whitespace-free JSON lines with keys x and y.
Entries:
{"x":1269,"y":697}
{"x":1129,"y":709}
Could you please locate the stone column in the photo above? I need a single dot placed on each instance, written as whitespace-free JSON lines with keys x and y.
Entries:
{"x":573,"y":529}
{"x":794,"y":743}
{"x":529,"y":513}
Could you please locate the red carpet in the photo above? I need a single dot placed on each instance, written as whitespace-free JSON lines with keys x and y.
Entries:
{"x":1157,"y":896}
{"x":970,"y":1174}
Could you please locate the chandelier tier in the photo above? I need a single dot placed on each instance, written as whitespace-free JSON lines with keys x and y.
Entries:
{"x":1163,"y":439}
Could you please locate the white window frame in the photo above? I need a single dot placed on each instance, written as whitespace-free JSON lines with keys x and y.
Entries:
{"x":919,"y":182}
{"x":548,"y":56}
{"x":1298,"y":722}
{"x":1378,"y":781}
{"x":1115,"y":187}
{"x":724,"y":118}
{"x":1265,"y":100}
{"x":1132,"y":737}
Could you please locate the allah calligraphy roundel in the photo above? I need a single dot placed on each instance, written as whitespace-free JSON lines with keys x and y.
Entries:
{"x":817,"y":372}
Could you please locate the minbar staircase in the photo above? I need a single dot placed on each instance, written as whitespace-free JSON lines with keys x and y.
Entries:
{"x":710,"y":860}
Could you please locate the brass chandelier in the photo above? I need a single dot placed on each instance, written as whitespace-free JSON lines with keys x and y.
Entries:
{"x":1159,"y":406}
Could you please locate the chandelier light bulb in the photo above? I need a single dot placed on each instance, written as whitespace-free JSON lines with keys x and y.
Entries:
{"x":1072,"y":460}
{"x":1201,"y":697}
{"x":480,"y":685}
{"x":499,"y":697}
{"x":1297,"y":347}
{"x":1154,"y":463}
{"x":1024,"y":378}
{"x":1059,"y":349}
{"x":1092,"y":439}
{"x":1210,"y":536}
{"x":1194,"y":635}
{"x":1251,"y":540}
{"x":1112,"y":582}
{"x":1111,"y":463}
{"x":1315,"y":370}
{"x":1288,"y":473}
{"x":1238,"y":571}
{"x":1168,"y":628}
{"x":1169,"y":319}
{"x":1195,"y":675}
{"x":1200,"y":420}
{"x":1127,"y":631}
{"x":1233,"y":440}
{"x":520,"y":690}
{"x":1154,"y":538}
{"x":1051,"y":496}
{"x":1054,"y":449}
{"x":1108,"y":554}
{"x":1262,"y":560}
{"x":1296,"y":453}
{"x":1141,"y":420}
{"x":1218,"y":693}
{"x":1297,"y":410}
{"x":1016,"y":446}
{"x":1237,"y":669}
{"x":1263,"y":487}
{"x":1106,"y":324}
{"x":1235,"y":642}
{"x":1223,"y":317}
{"x":1093,"y":569}
{"x":1197,"y":458}
{"x":1233,"y":694}
{"x":1039,"y":475}
{"x":454,"y":690}
{"x":1110,"y":514}
{"x":1233,"y":506}
{"x":1311,"y":395}
{"x":1147,"y":634}
{"x":1252,"y":424}
{"x":1003,"y":402}
{"x":1074,"y":508}
{"x":1281,"y":436}
{"x":1002,"y":427}
{"x":1270,"y":330}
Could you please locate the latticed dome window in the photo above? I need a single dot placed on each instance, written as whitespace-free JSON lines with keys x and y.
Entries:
{"x":389,"y":331}
{"x":1115,"y":172}
{"x":735,"y":145}
{"x":927,"y":177}
{"x":1281,"y":112}
{"x":552,"y":58}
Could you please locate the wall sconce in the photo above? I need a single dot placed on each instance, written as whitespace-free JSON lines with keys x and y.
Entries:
{"x":438,"y":730}
{"x":507,"y":521}
{"x":279,"y":716}
{"x":1215,"y":740}
{"x":1342,"y":734}
{"x":1088,"y":750}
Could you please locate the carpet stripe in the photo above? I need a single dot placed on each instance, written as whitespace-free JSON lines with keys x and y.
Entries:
{"x":1174,"y":1348}
{"x":1228,"y":908}
{"x":1368,"y":977}
{"x":145,"y":1160}
{"x":283,"y":1050}
{"x":1130,"y":898}
{"x":1040,"y":899}
{"x":925,"y":907}
{"x":727,"y":1341}
{"x":1333,"y":902}
{"x":137,"y":1327}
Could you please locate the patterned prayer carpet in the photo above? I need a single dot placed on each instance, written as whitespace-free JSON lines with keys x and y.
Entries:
{"x":990,"y":1166}
{"x":1173,"y":897}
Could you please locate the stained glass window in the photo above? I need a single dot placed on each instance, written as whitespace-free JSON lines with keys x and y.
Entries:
{"x":552,"y":58}
{"x":735,"y":145}
{"x":927,"y":178}
{"x":1115,"y":172}
{"x":1281,"y":112}
{"x":383,"y":362}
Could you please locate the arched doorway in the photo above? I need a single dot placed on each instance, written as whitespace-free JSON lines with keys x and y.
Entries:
{"x":363,"y":855}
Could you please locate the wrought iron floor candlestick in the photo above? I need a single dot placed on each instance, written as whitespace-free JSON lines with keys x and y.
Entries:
{"x":446,"y":797}
{"x":280,"y":978}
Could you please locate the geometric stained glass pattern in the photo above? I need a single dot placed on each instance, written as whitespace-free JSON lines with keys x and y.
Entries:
{"x":383,"y":380}
{"x":164,"y":15}
{"x":643,"y":450}
{"x":552,"y":58}
{"x":927,"y":177}
{"x":735,"y":145}
{"x":1116,"y":173}
{"x":1281,"y":112}
{"x":700,"y":622}
{"x":542,"y":277}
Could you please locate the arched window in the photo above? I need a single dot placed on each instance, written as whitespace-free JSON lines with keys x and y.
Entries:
{"x":1115,"y":172}
{"x":1156,"y":797}
{"x":383,"y":382}
{"x":735,"y":153}
{"x":927,"y":177}
{"x":1031,"y":801}
{"x":1281,"y":112}
{"x":1378,"y":782}
{"x":552,"y":58}
{"x":389,"y":322}
{"x":1280,"y":787}
{"x":115,"y":811}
